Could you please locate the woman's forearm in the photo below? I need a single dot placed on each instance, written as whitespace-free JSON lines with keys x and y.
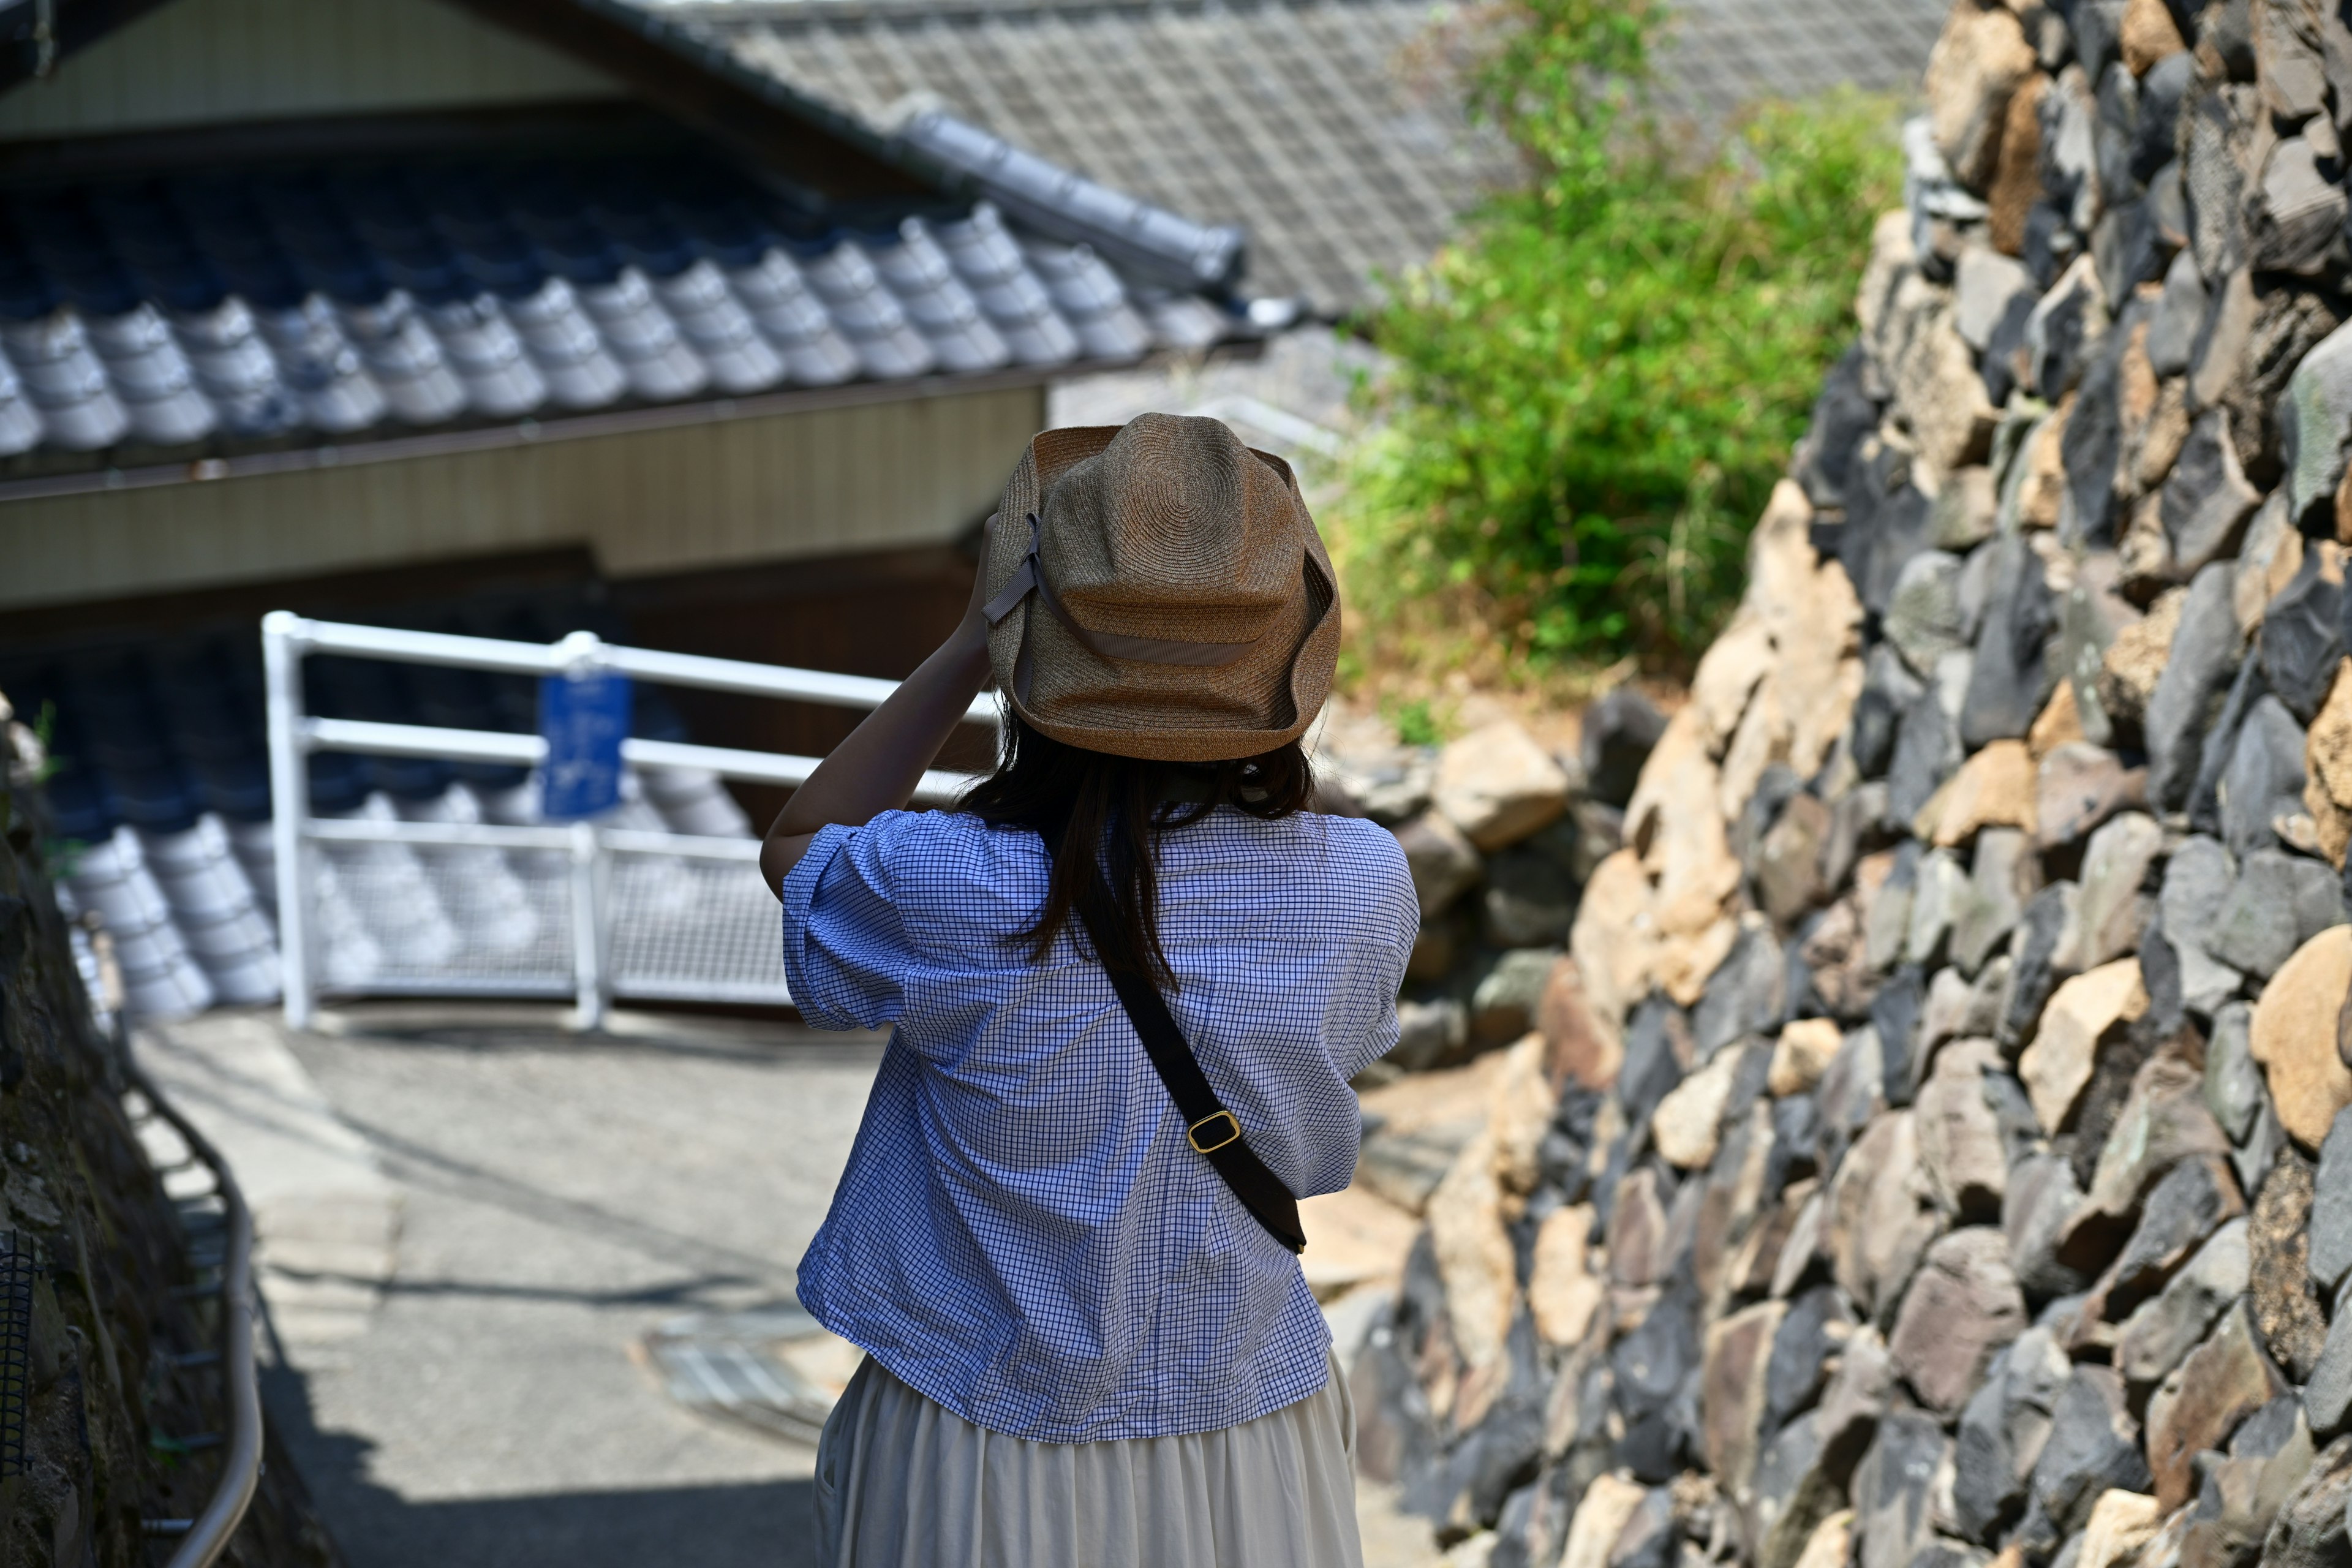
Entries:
{"x":876,"y":768}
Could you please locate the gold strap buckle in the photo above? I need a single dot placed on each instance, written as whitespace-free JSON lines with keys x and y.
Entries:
{"x":1233,"y":1133}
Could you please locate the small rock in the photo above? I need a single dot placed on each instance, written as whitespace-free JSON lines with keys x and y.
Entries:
{"x":1985,"y":284}
{"x":1852,"y":1092}
{"x":2203,"y":657}
{"x":1430,"y":1033}
{"x":1881,"y":1215}
{"x":1529,"y":898}
{"x":2080,"y":787}
{"x":2207,"y":499}
{"x":1961,"y":1139}
{"x":2256,"y":929}
{"x":1894,"y":1490}
{"x":2012,"y":673}
{"x":2300,"y":214}
{"x":2061,"y":338}
{"x":2264,"y":779}
{"x":2309,"y":1529}
{"x":1812,"y":1330}
{"x":1505,"y":1004}
{"x":2162,"y":1119}
{"x":2134,"y":661}
{"x":2225,"y":1379}
{"x":2294,"y":1035}
{"x":1562,"y":1293}
{"x":1732,"y":1390}
{"x":2303,"y":635}
{"x":1950,"y":1010}
{"x":2042,"y":1198}
{"x":2328,"y":1399}
{"x":2173,"y":328}
{"x":2002,"y":1430}
{"x":2182,"y":1209}
{"x":2116,"y":865}
{"x":1926,"y":754}
{"x":1444,"y":862}
{"x":2328,"y":767}
{"x":2163,"y":1330}
{"x":1802,"y":1054}
{"x":1688,"y":1123}
{"x":2233,"y":1081}
{"x":1963,"y":1307}
{"x":1607,"y":1506}
{"x":2197,"y":883}
{"x":2286,"y":1308}
{"x":1939,"y":891}
{"x":1994,"y":788}
{"x":1620,"y":727}
{"x":2056,"y":1067}
{"x":1748,"y":993}
{"x":1658,"y":1051}
{"x":1474,"y":1255}
{"x":2006,"y":873}
{"x":2046,"y":950}
{"x":2092,"y":1448}
{"x":2121,"y":1522}
{"x":2268,"y":1458}
{"x":1637,"y":1231}
{"x":1924,"y":620}
{"x":1497,"y":785}
{"x":2331,"y":1208}
{"x":1894,"y":1018}
{"x":1579,"y":1048}
{"x":2059,"y":725}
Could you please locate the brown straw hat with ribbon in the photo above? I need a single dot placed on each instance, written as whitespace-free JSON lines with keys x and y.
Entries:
{"x":1157,"y":590}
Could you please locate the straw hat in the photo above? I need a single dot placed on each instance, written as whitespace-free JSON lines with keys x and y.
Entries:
{"x":1157,"y":590}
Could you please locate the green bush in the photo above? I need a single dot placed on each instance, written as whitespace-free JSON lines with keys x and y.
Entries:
{"x":1595,"y":386}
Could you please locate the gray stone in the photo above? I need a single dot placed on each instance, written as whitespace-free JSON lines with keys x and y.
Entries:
{"x":1852,"y":1092}
{"x":2303,"y":636}
{"x":1746,"y":995}
{"x":2042,"y":1198}
{"x":1659,"y":1050}
{"x":1924,"y":619}
{"x":2013,"y":671}
{"x":2309,"y":1531}
{"x":1985,"y":284}
{"x":2206,"y":499}
{"x":2318,"y":898}
{"x":2092,"y":1448}
{"x":1887,"y":925}
{"x":2078,"y":787}
{"x":2046,"y":949}
{"x":2222,"y":125}
{"x":1927,"y":751}
{"x":2314,"y":414}
{"x":2005,"y":875}
{"x":1816,"y":1327}
{"x":2261,"y":1148}
{"x":2327,"y":1397}
{"x":1443,"y":862}
{"x":1963,"y":1308}
{"x":1888,"y":690}
{"x":2300,"y":214}
{"x":2115,"y":867}
{"x":2197,"y":883}
{"x":2331,"y":1208}
{"x":1894,"y":1018}
{"x":2234,"y":1091}
{"x":1503,"y":1007}
{"x":2256,"y":931}
{"x":2065,"y":327}
{"x":2180,"y":1211}
{"x":1787,"y":860}
{"x":2204,"y":656}
{"x":1965,"y":514}
{"x":2264,"y":780}
{"x":1429,"y":1033}
{"x":2002,"y":1433}
{"x":1620,"y":727}
{"x":2161,"y":1330}
{"x":1529,"y":898}
{"x":2247,"y":688}
{"x":2089,"y":450}
{"x":1936,"y":900}
{"x":2177,"y":311}
{"x":1894,"y":1490}
{"x":1960,"y":1140}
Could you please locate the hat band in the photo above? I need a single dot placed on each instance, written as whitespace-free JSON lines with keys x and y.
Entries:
{"x":1031,"y":575}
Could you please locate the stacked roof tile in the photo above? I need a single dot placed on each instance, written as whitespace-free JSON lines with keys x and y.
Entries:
{"x":333,"y":302}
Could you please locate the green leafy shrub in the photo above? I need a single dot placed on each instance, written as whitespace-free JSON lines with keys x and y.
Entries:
{"x":1595,"y":386}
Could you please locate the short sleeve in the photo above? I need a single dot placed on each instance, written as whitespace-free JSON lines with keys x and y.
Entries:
{"x":846,"y":954}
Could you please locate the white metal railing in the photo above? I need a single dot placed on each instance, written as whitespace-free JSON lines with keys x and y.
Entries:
{"x":591,"y":848}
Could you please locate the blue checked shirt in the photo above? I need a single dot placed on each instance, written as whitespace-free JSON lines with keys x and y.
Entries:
{"x":1023,"y":1232}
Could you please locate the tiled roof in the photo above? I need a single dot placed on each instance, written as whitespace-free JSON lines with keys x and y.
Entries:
{"x":1295,"y":118}
{"x":324,"y":303}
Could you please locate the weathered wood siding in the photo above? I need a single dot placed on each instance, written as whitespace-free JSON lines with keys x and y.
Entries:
{"x":804,"y":483}
{"x":201,"y":62}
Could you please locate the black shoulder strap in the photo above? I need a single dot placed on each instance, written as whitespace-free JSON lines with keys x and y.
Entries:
{"x":1211,"y":1128}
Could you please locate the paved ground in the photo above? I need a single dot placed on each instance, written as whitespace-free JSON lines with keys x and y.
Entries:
{"x":469,"y":1396}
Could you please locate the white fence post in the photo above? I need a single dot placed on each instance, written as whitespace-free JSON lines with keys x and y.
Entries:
{"x":290,"y":794}
{"x":590,"y":984}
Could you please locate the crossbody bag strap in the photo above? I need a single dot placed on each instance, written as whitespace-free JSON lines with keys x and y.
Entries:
{"x":1212,"y":1130}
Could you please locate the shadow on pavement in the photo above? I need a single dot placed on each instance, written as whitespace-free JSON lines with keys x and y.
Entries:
{"x":718,"y":1526}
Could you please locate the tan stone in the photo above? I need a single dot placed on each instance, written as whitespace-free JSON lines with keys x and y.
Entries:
{"x":2017,"y":172}
{"x":1616,"y":939}
{"x":1354,"y":1237}
{"x":2294,"y":1035}
{"x":1801,"y":1054}
{"x":1994,"y":788}
{"x":1519,"y":1108}
{"x":1563,"y":1293}
{"x":2327,"y":768}
{"x":2121,"y":1521}
{"x":1475,"y":1259}
{"x":1726,"y":677}
{"x":2129,"y":669}
{"x":1810,"y":622}
{"x":2041,"y":492}
{"x":2201,"y":1401}
{"x":2161,"y":439}
{"x":1831,"y":1545}
{"x":1609,"y":1502}
{"x":2060,"y":722}
{"x":2271,"y":541}
{"x":1981,"y":57}
{"x":1581,"y":1045}
{"x":1959,"y":1137}
{"x":1880,"y":1213}
{"x":2148,"y":35}
{"x":2057,"y":1066}
{"x":1682,"y":847}
{"x":1737,"y":1351}
{"x":1689,"y":1122}
{"x":1498,"y":785}
{"x":1963,"y":1307}
{"x":1685,"y":963}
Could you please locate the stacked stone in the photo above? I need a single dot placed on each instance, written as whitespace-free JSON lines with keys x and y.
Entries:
{"x":1934,"y":1143}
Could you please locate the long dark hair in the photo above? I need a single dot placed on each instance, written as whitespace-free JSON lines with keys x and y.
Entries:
{"x":1102,"y":817}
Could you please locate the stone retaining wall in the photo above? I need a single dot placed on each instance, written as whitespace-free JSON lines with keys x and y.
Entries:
{"x":1935,"y":1146}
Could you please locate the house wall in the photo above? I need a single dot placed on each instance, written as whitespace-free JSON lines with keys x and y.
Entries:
{"x":200,"y":62}
{"x":874,"y":476}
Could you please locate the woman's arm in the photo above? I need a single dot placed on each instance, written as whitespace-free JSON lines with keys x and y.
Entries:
{"x":877,"y":769}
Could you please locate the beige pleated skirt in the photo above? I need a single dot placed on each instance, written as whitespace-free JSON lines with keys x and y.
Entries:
{"x":903,"y":1483}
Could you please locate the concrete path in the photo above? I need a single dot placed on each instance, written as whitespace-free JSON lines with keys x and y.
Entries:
{"x":469,"y":1219}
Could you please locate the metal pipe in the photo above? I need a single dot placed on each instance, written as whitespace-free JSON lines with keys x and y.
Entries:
{"x":290,"y":796}
{"x":587,"y":943}
{"x":207,"y":1535}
